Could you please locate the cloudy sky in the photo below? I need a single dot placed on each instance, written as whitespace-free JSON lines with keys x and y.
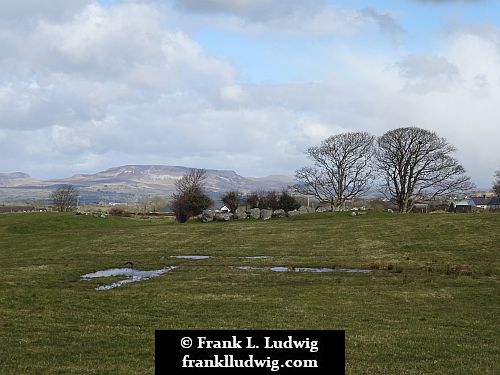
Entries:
{"x":245,"y":85}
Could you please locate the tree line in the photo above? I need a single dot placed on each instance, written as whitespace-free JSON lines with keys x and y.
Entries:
{"x":411,"y":163}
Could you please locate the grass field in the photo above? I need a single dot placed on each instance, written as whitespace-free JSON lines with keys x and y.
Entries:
{"x":435,"y":310}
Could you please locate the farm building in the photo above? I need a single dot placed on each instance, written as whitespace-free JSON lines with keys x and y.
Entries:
{"x":462,"y":206}
{"x":486,"y":203}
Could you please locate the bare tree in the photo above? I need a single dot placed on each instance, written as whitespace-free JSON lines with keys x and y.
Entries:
{"x":341,"y":171}
{"x":192,"y":181}
{"x":415,"y":164}
{"x":496,"y":183}
{"x":65,"y":198}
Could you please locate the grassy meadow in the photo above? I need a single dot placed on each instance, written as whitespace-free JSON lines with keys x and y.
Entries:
{"x":431,"y":305}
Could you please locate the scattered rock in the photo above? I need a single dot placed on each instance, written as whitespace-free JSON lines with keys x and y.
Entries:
{"x":255,"y":213}
{"x":266,"y":214}
{"x":322,"y":209}
{"x":303,"y":210}
{"x":353,"y":213}
{"x":241,"y":213}
{"x":207,"y":216}
{"x":293,"y":213}
{"x":279,"y":213}
{"x":223,"y":216}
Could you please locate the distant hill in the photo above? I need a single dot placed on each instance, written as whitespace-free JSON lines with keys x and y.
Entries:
{"x":131,"y":183}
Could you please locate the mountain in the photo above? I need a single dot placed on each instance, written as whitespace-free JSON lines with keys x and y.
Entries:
{"x":131,"y":183}
{"x":15,"y":179}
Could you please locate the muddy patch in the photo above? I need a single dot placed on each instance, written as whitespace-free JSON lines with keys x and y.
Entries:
{"x":132,"y":275}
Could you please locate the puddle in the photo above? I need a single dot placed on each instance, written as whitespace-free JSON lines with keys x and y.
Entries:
{"x":305,"y":269}
{"x":280,"y":269}
{"x":132,"y":276}
{"x":353,"y":270}
{"x":190,"y":256}
{"x":258,"y":257}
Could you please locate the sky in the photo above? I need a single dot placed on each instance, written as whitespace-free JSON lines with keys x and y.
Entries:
{"x":244,"y":85}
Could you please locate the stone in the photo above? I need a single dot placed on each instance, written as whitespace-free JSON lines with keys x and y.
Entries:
{"x":266,"y":214}
{"x":322,"y":209}
{"x":279,"y":213}
{"x":223,"y":216}
{"x":241,"y":213}
{"x":353,"y":213}
{"x":303,"y":210}
{"x":207,"y":216}
{"x":292,"y":213}
{"x":255,"y":213}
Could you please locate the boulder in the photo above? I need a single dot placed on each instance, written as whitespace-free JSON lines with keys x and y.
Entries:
{"x":207,"y":216}
{"x":266,"y":214}
{"x":223,"y":216}
{"x":322,"y":209}
{"x":292,"y":213}
{"x":241,"y":213}
{"x":303,"y":210}
{"x":255,"y":213}
{"x":279,"y":213}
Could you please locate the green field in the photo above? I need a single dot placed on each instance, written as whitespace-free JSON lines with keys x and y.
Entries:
{"x":431,"y":307}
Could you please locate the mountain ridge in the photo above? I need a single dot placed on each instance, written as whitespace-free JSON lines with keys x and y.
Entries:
{"x":131,"y":182}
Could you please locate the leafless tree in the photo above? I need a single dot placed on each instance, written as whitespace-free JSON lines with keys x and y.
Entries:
{"x":65,"y":198}
{"x":415,"y":164}
{"x":341,"y":168}
{"x":496,"y":183}
{"x":191,"y":181}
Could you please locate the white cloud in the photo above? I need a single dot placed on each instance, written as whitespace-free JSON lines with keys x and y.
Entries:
{"x":105,"y":86}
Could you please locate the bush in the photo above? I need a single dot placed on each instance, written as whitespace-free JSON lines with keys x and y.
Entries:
{"x":272,"y":200}
{"x":190,"y":204}
{"x":288,"y":202}
{"x":118,"y":211}
{"x":232,"y":200}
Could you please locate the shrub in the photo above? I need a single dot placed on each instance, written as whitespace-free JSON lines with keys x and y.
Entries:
{"x":189,"y":204}
{"x":118,"y":211}
{"x":288,"y":202}
{"x":232,"y":200}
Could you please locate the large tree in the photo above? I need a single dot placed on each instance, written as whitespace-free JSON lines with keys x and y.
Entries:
{"x":341,"y":168}
{"x":416,"y":164}
{"x":496,"y":183}
{"x":65,"y":198}
{"x":190,"y":199}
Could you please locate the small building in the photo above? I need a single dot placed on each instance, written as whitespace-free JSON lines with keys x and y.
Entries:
{"x":462,"y":206}
{"x":487,"y":203}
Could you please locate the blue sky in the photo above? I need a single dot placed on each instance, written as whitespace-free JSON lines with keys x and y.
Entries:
{"x":246,"y":85}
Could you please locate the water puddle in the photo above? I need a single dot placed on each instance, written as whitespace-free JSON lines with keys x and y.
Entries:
{"x":190,"y":256}
{"x":132,"y":275}
{"x":280,"y":269}
{"x":305,"y":269}
{"x":258,"y":257}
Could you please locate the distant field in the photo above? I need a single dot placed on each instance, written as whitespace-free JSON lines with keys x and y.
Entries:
{"x":432,"y":307}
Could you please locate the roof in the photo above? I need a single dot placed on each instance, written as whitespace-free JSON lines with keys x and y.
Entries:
{"x":486,"y":201}
{"x":463,"y":203}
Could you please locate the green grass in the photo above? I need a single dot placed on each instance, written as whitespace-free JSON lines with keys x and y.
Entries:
{"x":436,"y":311}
